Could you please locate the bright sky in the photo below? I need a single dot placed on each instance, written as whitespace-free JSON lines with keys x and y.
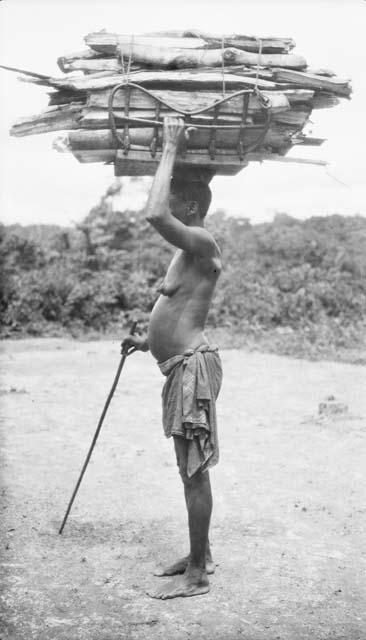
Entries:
{"x":38,"y":184}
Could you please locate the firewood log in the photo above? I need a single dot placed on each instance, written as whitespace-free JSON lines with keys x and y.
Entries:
{"x":248,"y":43}
{"x":126,"y":166}
{"x":324,"y":100}
{"x":278,"y":137}
{"x":236,"y":56}
{"x":65,"y":97}
{"x":186,"y":100}
{"x":107,"y":42}
{"x":335,"y":85}
{"x":59,"y":118}
{"x":86,"y":54}
{"x":182,"y":80}
{"x":174,"y":58}
{"x":178,"y":58}
{"x":97,"y":64}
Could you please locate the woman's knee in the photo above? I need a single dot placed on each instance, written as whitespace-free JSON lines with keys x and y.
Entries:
{"x":195,"y":480}
{"x":182,"y":468}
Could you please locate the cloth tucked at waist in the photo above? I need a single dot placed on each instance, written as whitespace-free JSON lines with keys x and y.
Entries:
{"x":189,"y":394}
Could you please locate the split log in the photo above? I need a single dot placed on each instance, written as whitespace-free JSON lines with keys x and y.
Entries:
{"x":181,"y":80}
{"x":146,"y":117}
{"x":248,"y":43}
{"x":94,"y":118}
{"x":173,"y":33}
{"x":296,"y":116}
{"x":298,"y":96}
{"x":334,"y":85}
{"x":267,"y":45}
{"x":99,"y":118}
{"x":74,"y":116}
{"x":142,"y":167}
{"x":65,"y":97}
{"x":236,"y":56}
{"x":325,"y":82}
{"x":323,"y":100}
{"x":175,"y":58}
{"x":49,"y":81}
{"x":321,"y":72}
{"x":141,"y":154}
{"x":188,"y":101}
{"x":198,"y":162}
{"x":222,"y":163}
{"x":308,"y":141}
{"x":86,"y":54}
{"x":183,"y":99}
{"x":251,"y":72}
{"x":98,"y":64}
{"x":55,"y":119}
{"x":179,"y":58}
{"x":278,"y":137}
{"x":105,"y":42}
{"x":185,"y":52}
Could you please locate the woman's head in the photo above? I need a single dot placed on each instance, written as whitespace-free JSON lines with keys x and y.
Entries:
{"x":188,"y":198}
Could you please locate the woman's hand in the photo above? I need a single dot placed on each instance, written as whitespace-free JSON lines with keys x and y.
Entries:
{"x":130,"y":344}
{"x":173,"y":130}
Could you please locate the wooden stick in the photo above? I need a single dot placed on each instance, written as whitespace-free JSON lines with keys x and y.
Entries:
{"x":36,"y":77}
{"x":97,"y":432}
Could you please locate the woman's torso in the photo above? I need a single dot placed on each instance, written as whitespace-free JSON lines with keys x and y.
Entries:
{"x":178,"y":318}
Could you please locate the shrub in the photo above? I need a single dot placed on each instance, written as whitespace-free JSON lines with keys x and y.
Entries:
{"x":288,"y":274}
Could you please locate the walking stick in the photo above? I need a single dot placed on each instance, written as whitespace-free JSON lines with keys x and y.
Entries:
{"x":110,"y":396}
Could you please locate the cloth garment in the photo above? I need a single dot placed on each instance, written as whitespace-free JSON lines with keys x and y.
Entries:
{"x":189,"y":394}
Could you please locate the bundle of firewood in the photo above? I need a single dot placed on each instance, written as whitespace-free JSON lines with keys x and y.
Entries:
{"x":242,"y":99}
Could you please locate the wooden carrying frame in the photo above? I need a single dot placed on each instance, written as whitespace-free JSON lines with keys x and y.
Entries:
{"x":133,"y":159}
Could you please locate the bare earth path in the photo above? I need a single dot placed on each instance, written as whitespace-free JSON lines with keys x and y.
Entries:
{"x":288,"y":529}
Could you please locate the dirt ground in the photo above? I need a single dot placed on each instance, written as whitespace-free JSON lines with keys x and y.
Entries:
{"x":288,"y":528}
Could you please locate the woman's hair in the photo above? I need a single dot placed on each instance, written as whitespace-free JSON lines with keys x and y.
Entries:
{"x":189,"y":191}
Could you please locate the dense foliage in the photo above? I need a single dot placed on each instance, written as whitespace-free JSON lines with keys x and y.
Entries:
{"x":289,"y":276}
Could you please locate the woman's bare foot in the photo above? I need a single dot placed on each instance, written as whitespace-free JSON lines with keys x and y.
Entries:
{"x":193,"y":582}
{"x":181,"y":565}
